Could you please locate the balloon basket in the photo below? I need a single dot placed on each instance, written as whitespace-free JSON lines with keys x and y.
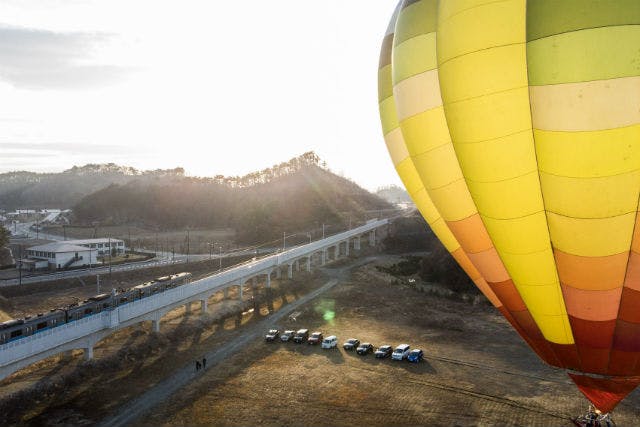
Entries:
{"x":594,"y":418}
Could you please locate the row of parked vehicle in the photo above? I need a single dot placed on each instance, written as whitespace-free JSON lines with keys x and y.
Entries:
{"x":401,"y":352}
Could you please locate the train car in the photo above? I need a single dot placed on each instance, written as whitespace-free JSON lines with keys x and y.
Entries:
{"x":19,"y":328}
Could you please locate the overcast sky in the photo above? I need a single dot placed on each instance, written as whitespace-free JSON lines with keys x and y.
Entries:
{"x":215,"y":87}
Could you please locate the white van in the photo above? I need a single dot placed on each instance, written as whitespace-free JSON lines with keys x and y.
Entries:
{"x":401,"y":352}
{"x":330,"y":342}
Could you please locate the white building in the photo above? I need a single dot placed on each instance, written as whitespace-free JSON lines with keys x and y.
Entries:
{"x":58,"y":256}
{"x":101,"y":245}
{"x":71,"y":253}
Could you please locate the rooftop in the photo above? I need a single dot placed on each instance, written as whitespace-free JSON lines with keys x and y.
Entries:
{"x":58,"y":247}
{"x":89,"y":241}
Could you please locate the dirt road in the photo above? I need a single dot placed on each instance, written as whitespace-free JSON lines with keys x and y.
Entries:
{"x":165,"y":389}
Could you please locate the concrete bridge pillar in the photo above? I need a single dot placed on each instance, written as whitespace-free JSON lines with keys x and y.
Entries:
{"x":240,"y":290}
{"x":323,"y":257}
{"x":297,"y":265}
{"x":356,"y":243}
{"x":347,"y":243}
{"x":156,"y":325}
{"x":278,"y":273}
{"x":88,"y":353}
{"x":203,"y":305}
{"x":372,"y":238}
{"x":268,"y":279}
{"x":290,"y":271}
{"x":309,"y":263}
{"x":226,"y":293}
{"x":336,"y":252}
{"x":187,"y":308}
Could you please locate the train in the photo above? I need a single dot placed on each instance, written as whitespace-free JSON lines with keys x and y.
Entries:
{"x":16,"y":329}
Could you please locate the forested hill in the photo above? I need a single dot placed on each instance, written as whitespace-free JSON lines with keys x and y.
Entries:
{"x":294,"y":195}
{"x":63,"y":190}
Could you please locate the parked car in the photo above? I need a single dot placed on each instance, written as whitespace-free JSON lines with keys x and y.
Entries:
{"x":330,"y":342}
{"x":272,"y":335}
{"x":315,"y":338}
{"x":401,"y":352}
{"x":383,"y":351}
{"x":415,"y":355}
{"x":287,"y":335}
{"x":364,"y":349}
{"x":351,"y":344}
{"x":301,"y":336}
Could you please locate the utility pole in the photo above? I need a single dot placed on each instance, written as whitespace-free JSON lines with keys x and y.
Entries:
{"x":323,"y":230}
{"x":220,"y":258}
{"x":20,"y":268}
{"x":187,"y":246}
{"x":110,"y":251}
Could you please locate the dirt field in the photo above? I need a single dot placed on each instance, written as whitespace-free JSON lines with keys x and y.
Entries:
{"x":477,"y":371}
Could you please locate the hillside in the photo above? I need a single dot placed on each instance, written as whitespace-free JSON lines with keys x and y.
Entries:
{"x":298,"y":194}
{"x":63,"y":190}
{"x":394,"y":194}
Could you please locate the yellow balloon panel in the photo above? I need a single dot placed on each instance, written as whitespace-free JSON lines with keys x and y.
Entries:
{"x":511,"y":198}
{"x":543,"y":300}
{"x":488,"y":117}
{"x":591,"y":197}
{"x":536,"y":268}
{"x":442,"y":164}
{"x":591,"y":237}
{"x":475,"y":74}
{"x":453,"y":201}
{"x":499,"y":16}
{"x":518,"y":235}
{"x":425,"y":131}
{"x":511,"y":156}
{"x":589,"y":154}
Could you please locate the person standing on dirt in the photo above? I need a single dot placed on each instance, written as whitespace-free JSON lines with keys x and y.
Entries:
{"x":197,"y":365}
{"x":204,"y":363}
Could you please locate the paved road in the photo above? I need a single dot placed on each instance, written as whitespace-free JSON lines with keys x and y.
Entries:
{"x":135,"y":409}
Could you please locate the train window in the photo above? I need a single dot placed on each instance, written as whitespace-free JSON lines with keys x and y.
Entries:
{"x":41,"y":325}
{"x":16,"y":333}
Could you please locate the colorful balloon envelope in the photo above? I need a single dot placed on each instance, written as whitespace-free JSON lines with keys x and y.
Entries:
{"x":515,"y":127}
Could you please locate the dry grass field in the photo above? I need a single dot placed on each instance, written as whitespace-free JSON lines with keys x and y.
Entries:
{"x":476,"y":372}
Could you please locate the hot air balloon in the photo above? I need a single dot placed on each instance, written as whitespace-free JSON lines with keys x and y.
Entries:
{"x":515,"y":127}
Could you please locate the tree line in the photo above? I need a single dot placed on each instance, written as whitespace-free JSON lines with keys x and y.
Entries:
{"x":294,"y":195}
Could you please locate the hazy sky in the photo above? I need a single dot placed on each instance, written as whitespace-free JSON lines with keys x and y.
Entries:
{"x":217,"y":87}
